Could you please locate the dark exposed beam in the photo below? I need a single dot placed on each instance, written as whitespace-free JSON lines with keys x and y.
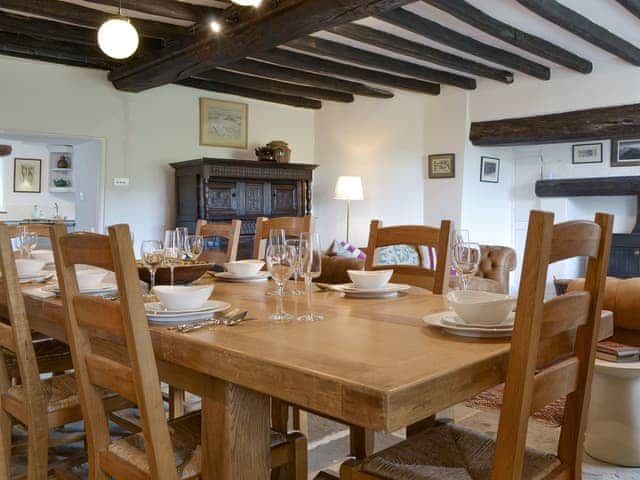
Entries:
{"x":314,"y":64}
{"x":505,"y":32}
{"x":250,"y":93}
{"x":278,"y":23}
{"x":420,"y":51}
{"x":607,"y":122}
{"x":88,"y":17}
{"x":346,"y":53}
{"x":584,"y":28}
{"x":269,"y":70}
{"x":632,"y":5}
{"x":434,"y":31}
{"x":161,"y":8}
{"x":274,"y":86}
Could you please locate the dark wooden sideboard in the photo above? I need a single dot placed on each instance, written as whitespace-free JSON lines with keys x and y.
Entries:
{"x":220,"y":190}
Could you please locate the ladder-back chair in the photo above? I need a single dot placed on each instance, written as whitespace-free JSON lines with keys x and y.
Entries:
{"x":228,"y":231}
{"x":292,"y":226}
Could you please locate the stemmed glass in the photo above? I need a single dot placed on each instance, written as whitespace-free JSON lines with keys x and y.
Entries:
{"x":152,"y":256}
{"x":172,"y":251}
{"x":183,"y":236}
{"x":277,"y":237}
{"x":311,"y":268}
{"x":28,"y":240}
{"x":280,"y":262}
{"x":298,"y":267}
{"x":194,"y":246}
{"x":466,"y":261}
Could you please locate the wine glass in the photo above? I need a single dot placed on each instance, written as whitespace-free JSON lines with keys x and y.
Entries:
{"x":277,"y":237}
{"x":466,"y":261}
{"x":280,"y":261}
{"x":311,"y":268}
{"x":28,"y":240}
{"x":152,"y":255}
{"x":183,"y":236}
{"x":194,"y":246}
{"x":297,"y":246}
{"x":172,"y":251}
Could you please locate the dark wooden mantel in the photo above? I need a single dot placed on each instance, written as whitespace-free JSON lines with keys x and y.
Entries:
{"x":589,"y":187}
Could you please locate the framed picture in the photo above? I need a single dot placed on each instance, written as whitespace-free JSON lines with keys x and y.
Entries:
{"x":27,"y":175}
{"x":489,"y":169}
{"x":586,"y":153}
{"x":442,"y":165}
{"x":625,"y":153}
{"x":223,"y":124}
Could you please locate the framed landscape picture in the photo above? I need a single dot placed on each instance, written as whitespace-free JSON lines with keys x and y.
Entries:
{"x":625,"y":152}
{"x":223,"y":124}
{"x":586,"y":153}
{"x":489,"y":169}
{"x":27,"y":175}
{"x":442,"y":165}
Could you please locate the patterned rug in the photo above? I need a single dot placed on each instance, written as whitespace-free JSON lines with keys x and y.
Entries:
{"x":552,"y":414}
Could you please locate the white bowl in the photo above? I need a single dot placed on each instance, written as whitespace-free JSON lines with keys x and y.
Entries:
{"x":481,"y":308}
{"x":90,"y":279}
{"x":244,"y":267}
{"x":45,"y":256}
{"x":26,"y":266}
{"x":370,"y":280}
{"x":183,"y":297}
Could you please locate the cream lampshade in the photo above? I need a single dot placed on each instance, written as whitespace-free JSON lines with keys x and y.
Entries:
{"x":348,"y":188}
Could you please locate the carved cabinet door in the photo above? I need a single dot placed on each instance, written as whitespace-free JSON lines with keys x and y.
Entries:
{"x":284,"y":199}
{"x":222,"y":198}
{"x":255,"y":198}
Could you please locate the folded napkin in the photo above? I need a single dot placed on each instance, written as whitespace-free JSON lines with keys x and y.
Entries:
{"x":38,"y":292}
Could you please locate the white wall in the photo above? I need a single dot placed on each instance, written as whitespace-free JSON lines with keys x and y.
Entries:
{"x":143,"y":132}
{"x":383,"y":142}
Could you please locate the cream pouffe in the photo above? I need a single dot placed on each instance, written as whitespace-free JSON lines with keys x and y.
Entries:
{"x":613,"y":429}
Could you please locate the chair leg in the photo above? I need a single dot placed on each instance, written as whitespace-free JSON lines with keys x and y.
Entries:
{"x":5,"y":445}
{"x":301,"y":421}
{"x":176,"y":402}
{"x":362,"y":442}
{"x":38,"y":453}
{"x":298,"y":465}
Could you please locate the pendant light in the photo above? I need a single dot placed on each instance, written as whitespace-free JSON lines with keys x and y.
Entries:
{"x":117,"y":38}
{"x":248,"y":3}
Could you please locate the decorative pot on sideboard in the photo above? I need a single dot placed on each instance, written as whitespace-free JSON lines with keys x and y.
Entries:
{"x":281,"y":151}
{"x":220,"y":190}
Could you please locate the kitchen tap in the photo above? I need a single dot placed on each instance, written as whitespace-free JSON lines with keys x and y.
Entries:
{"x":57,"y":208}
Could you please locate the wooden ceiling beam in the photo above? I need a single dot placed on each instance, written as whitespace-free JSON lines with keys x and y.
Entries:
{"x":584,"y":28}
{"x":89,"y":17}
{"x":328,"y":67}
{"x":393,"y":43}
{"x":342,"y":52}
{"x":274,"y":86}
{"x":632,"y":5}
{"x":163,"y":8}
{"x":434,"y":31}
{"x":277,"y":72}
{"x":275,"y":24}
{"x":251,"y":93}
{"x":475,"y":17}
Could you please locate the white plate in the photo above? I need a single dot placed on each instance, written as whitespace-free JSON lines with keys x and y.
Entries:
{"x":454,"y":320}
{"x":449,"y":322}
{"x":231,"y":277}
{"x":179,"y":320}
{"x":41,"y":278}
{"x":156,"y":308}
{"x":39,"y":274}
{"x":104,"y":289}
{"x":389,"y":290}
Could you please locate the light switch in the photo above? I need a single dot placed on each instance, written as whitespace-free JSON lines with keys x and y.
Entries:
{"x":120,"y":182}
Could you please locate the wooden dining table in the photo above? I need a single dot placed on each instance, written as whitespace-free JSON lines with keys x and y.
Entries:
{"x":372,"y":363}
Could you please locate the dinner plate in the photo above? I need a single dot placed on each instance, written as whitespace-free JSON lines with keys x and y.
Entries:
{"x":39,"y":278}
{"x":389,"y":290}
{"x":450,"y":323}
{"x":104,"y":289}
{"x":156,"y":308}
{"x":232,"y":277}
{"x":186,"y":317}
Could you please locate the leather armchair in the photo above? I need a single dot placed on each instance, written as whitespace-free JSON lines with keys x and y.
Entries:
{"x":495,"y":266}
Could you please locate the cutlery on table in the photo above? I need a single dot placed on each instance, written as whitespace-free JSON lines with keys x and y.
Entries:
{"x":228,"y":319}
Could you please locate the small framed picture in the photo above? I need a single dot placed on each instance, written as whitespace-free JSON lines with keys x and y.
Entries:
{"x":223,"y":124}
{"x":490,"y":170}
{"x":442,"y":165}
{"x":586,"y":153}
{"x":625,"y":153}
{"x":27,"y":175}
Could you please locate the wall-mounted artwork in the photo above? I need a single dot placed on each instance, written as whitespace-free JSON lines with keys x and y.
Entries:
{"x":489,"y":169}
{"x":586,"y":153}
{"x":442,"y":165}
{"x":223,"y":124}
{"x":27,"y":175}
{"x":625,"y":153}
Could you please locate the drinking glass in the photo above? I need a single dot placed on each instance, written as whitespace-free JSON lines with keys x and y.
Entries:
{"x":298,"y":266}
{"x":183,"y":236}
{"x":311,"y":268}
{"x":172,"y":251}
{"x":277,"y":237}
{"x":280,"y":261}
{"x":194,"y":246}
{"x":28,"y":240}
{"x":466,"y":261}
{"x":152,"y":256}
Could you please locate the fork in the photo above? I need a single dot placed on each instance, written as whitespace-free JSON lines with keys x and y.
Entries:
{"x":230,"y":318}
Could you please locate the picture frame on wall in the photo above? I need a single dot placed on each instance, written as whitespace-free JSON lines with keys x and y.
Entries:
{"x":625,"y":152}
{"x":442,"y":165}
{"x":27,"y":175}
{"x":489,"y":170}
{"x":223,"y":124}
{"x":585,"y":153}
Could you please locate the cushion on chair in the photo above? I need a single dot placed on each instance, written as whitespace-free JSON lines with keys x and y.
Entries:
{"x":449,"y":452}
{"x":345,"y":249}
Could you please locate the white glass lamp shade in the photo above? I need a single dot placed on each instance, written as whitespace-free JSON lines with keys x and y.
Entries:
{"x":248,"y":3}
{"x":117,"y":38}
{"x":349,"y":188}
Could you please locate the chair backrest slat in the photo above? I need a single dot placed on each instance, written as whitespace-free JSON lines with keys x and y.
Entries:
{"x":553,"y":345}
{"x":292,"y":226}
{"x":415,"y":236}
{"x":228,"y":231}
{"x":6,"y":337}
{"x":137,"y":375}
{"x":100,"y":314}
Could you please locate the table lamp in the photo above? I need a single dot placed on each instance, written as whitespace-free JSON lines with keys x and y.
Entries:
{"x":348,"y":188}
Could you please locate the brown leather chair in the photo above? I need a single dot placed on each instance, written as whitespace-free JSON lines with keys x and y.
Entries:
{"x":493,"y":275}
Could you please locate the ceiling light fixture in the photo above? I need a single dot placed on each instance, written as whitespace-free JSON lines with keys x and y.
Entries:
{"x":117,"y":38}
{"x":215,"y":26}
{"x":248,"y":3}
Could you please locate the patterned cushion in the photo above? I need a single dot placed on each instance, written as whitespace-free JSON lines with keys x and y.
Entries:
{"x":345,"y":249}
{"x":425,"y":256}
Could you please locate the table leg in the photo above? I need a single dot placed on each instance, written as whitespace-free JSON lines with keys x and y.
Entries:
{"x":362,"y":442}
{"x":235,"y":432}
